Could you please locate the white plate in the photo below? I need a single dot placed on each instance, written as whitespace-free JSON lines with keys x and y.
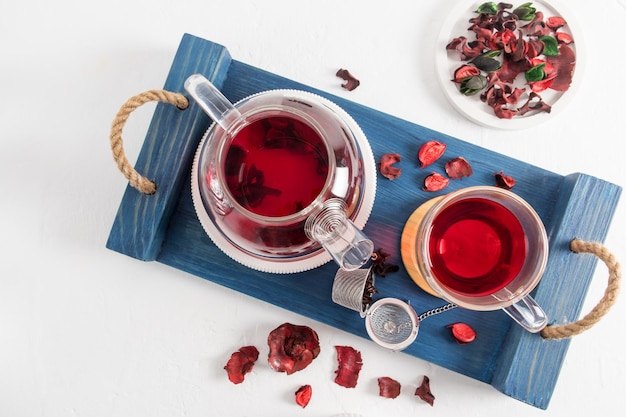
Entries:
{"x":471,"y":106}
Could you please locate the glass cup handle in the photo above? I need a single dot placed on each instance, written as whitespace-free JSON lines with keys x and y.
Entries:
{"x":211,"y":100}
{"x":528,"y":314}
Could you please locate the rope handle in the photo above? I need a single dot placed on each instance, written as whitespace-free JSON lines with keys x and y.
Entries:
{"x":605,"y":303}
{"x":138,"y":181}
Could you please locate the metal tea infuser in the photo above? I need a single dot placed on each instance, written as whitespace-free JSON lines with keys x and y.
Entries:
{"x":389,"y":322}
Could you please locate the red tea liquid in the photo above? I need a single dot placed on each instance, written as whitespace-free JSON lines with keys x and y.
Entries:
{"x":477,"y":247}
{"x":276,"y":166}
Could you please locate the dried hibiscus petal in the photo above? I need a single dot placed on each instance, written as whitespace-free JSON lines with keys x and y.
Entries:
{"x":465,"y":71}
{"x":430,"y":152}
{"x":504,"y":181}
{"x":380,"y":266}
{"x":351,"y":82}
{"x":458,"y":168}
{"x":555,"y":22}
{"x":435,"y":182}
{"x":423,"y":391}
{"x":292,"y":348}
{"x":303,"y":395}
{"x":386,"y":166}
{"x":463,"y":333}
{"x":368,"y":292}
{"x":240,"y":363}
{"x":388,"y":387}
{"x":349,"y":365}
{"x":534,"y":103}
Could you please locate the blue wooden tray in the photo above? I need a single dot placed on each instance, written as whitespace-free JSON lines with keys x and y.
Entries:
{"x":163,"y":227}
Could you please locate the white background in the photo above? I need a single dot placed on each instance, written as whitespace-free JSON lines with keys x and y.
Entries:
{"x":85,"y":331}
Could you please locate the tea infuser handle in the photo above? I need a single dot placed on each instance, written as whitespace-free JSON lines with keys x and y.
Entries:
{"x":605,"y":303}
{"x":211,"y":100}
{"x":139,"y":182}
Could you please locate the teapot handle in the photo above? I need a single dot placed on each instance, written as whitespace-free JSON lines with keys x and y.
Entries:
{"x":138,"y":181}
{"x":605,"y":303}
{"x":212,"y":101}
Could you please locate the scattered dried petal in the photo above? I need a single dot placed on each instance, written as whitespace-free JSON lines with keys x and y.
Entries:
{"x":240,"y":363}
{"x":388,"y":387}
{"x":386,"y":166}
{"x":292,"y":348}
{"x":504,"y":181}
{"x":534,"y":103}
{"x":555,"y":22}
{"x":458,"y":168}
{"x":379,"y":264}
{"x":465,"y":71}
{"x":351,"y":82}
{"x":563,"y":37}
{"x":349,"y":365}
{"x":430,"y":152}
{"x":303,"y":395}
{"x":435,"y":182}
{"x":423,"y":391}
{"x":463,"y":333}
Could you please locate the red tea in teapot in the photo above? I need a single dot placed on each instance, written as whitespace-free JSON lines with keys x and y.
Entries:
{"x":276,"y":166}
{"x":477,"y":247}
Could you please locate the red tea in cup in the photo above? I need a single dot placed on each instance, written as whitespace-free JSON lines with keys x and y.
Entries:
{"x":477,"y":247}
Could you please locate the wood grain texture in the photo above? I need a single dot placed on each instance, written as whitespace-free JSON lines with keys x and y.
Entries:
{"x":522,"y":365}
{"x":166,"y":155}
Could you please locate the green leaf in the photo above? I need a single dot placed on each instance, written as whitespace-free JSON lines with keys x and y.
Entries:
{"x":488,"y":8}
{"x":551,"y":46}
{"x":472,"y":85}
{"x":486,"y":63}
{"x":492,"y":54}
{"x":525,"y":11}
{"x":536,"y":73}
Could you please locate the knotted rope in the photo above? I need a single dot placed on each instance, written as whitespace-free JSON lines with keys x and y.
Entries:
{"x":605,"y":303}
{"x":141,"y":183}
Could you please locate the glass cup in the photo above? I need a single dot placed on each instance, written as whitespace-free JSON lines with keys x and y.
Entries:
{"x":484,"y":248}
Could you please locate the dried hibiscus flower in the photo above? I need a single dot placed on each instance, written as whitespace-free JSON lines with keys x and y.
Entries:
{"x":386,"y":166}
{"x":292,"y":348}
{"x":240,"y":363}
{"x":463,"y":333}
{"x":380,"y":266}
{"x":423,"y":391}
{"x":458,"y":168}
{"x":351,"y":82}
{"x":435,"y":182}
{"x":303,"y":395}
{"x":429,"y":152}
{"x":349,"y":365}
{"x":388,"y":387}
{"x":534,"y":103}
{"x":504,"y":181}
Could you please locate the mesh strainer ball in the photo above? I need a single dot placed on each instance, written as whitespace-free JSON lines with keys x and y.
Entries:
{"x":392,"y":323}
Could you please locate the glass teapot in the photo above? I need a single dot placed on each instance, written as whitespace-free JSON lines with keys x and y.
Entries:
{"x":283,"y":181}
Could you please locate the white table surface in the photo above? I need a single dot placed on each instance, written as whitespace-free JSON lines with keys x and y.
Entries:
{"x":85,"y":331}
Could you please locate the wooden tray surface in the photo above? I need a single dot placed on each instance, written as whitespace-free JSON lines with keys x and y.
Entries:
{"x":164,"y":227}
